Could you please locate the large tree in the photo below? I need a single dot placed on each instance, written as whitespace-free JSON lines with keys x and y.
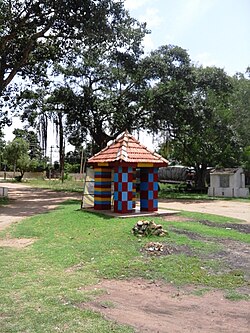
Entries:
{"x":16,"y":155}
{"x":104,"y":96}
{"x":190,"y":106}
{"x":98,"y":88}
{"x":240,"y":105}
{"x":170,"y":82}
{"x":36,"y":33}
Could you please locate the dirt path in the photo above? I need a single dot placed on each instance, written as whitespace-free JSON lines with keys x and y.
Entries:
{"x":231,"y":208}
{"x":26,"y":201}
{"x":154,"y":307}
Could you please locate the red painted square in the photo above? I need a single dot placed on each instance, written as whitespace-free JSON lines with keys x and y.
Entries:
{"x":130,"y":177}
{"x":150,"y":186}
{"x":119,"y":177}
{"x":124,"y":206}
{"x":130,"y":196}
{"x":124,"y":187}
{"x":144,"y":194}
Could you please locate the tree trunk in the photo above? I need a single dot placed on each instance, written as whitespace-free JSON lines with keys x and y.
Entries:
{"x":61,"y":145}
{"x":200,"y":179}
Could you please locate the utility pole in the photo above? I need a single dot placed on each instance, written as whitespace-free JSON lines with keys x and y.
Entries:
{"x":81,"y":165}
{"x":50,"y":161}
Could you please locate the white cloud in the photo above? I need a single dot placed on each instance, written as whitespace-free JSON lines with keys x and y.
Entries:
{"x":152,"y":17}
{"x":189,"y":11}
{"x":148,"y":43}
{"x":134,"y":4}
{"x":206,"y":59}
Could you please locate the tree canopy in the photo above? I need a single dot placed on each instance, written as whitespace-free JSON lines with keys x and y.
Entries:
{"x":82,"y":67}
{"x":35,"y":34}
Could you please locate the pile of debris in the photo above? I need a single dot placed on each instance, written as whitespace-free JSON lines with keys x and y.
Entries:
{"x":154,"y":248}
{"x":148,"y":228}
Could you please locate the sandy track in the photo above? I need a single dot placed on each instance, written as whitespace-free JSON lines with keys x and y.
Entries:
{"x":26,"y":201}
{"x":231,"y":208}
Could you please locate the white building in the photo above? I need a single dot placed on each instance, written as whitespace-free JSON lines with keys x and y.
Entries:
{"x":229,"y":182}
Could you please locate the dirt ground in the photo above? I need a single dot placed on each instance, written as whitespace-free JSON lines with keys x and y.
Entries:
{"x":231,"y":208}
{"x":26,"y":201}
{"x":156,"y":307}
{"x":153,"y":306}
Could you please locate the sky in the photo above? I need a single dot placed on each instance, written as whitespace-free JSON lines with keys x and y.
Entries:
{"x":214,"y":32}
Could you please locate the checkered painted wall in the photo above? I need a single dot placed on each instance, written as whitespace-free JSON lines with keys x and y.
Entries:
{"x":149,"y":189}
{"x":102,"y":190}
{"x":124,"y":189}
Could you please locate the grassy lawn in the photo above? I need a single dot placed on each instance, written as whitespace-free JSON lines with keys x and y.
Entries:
{"x":40,"y":285}
{"x":169,"y":191}
{"x":3,"y":201}
{"x":56,"y":184}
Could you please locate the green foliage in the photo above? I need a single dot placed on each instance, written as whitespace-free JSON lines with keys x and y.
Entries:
{"x":34,"y":35}
{"x":16,"y":154}
{"x":35,"y":151}
{"x":246,"y":158}
{"x":16,"y":150}
{"x":240,"y":106}
{"x":197,"y":127}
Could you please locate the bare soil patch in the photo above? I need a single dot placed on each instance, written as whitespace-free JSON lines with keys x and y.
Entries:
{"x":234,"y":255}
{"x":236,"y":226}
{"x":25,"y":201}
{"x":18,"y":243}
{"x":162,"y":308}
{"x":231,"y":208}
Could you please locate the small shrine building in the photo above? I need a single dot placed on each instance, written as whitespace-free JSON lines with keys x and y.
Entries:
{"x":117,"y":164}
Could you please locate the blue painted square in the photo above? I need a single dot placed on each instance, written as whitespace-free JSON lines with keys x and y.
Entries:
{"x":130,"y":187}
{"x":155,"y":203}
{"x":120,"y":187}
{"x":130,"y":205}
{"x":150,"y":195}
{"x":144,"y":203}
{"x":155,"y":186}
{"x":124,"y":177}
{"x":124,"y":196}
{"x":120,"y":169}
{"x":144,"y":186}
{"x":115,"y":195}
{"x":150,"y":177}
{"x":116,"y":177}
{"x":119,"y":206}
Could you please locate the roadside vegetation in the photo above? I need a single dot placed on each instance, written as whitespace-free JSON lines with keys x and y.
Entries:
{"x":41,"y":290}
{"x":167,"y":191}
{"x":3,"y":201}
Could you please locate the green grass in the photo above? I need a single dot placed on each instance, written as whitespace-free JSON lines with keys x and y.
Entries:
{"x":3,"y":201}
{"x":39,"y":287}
{"x":167,"y":191}
{"x":57,"y":185}
{"x":170,"y":191}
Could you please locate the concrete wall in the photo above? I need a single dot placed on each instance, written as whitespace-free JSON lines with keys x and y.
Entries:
{"x":27,"y":175}
{"x":236,"y":185}
{"x":3,"y":191}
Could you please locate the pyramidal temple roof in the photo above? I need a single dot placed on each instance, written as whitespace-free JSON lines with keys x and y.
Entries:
{"x":127,"y":150}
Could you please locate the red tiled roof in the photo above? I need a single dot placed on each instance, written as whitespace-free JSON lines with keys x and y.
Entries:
{"x":126,"y":149}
